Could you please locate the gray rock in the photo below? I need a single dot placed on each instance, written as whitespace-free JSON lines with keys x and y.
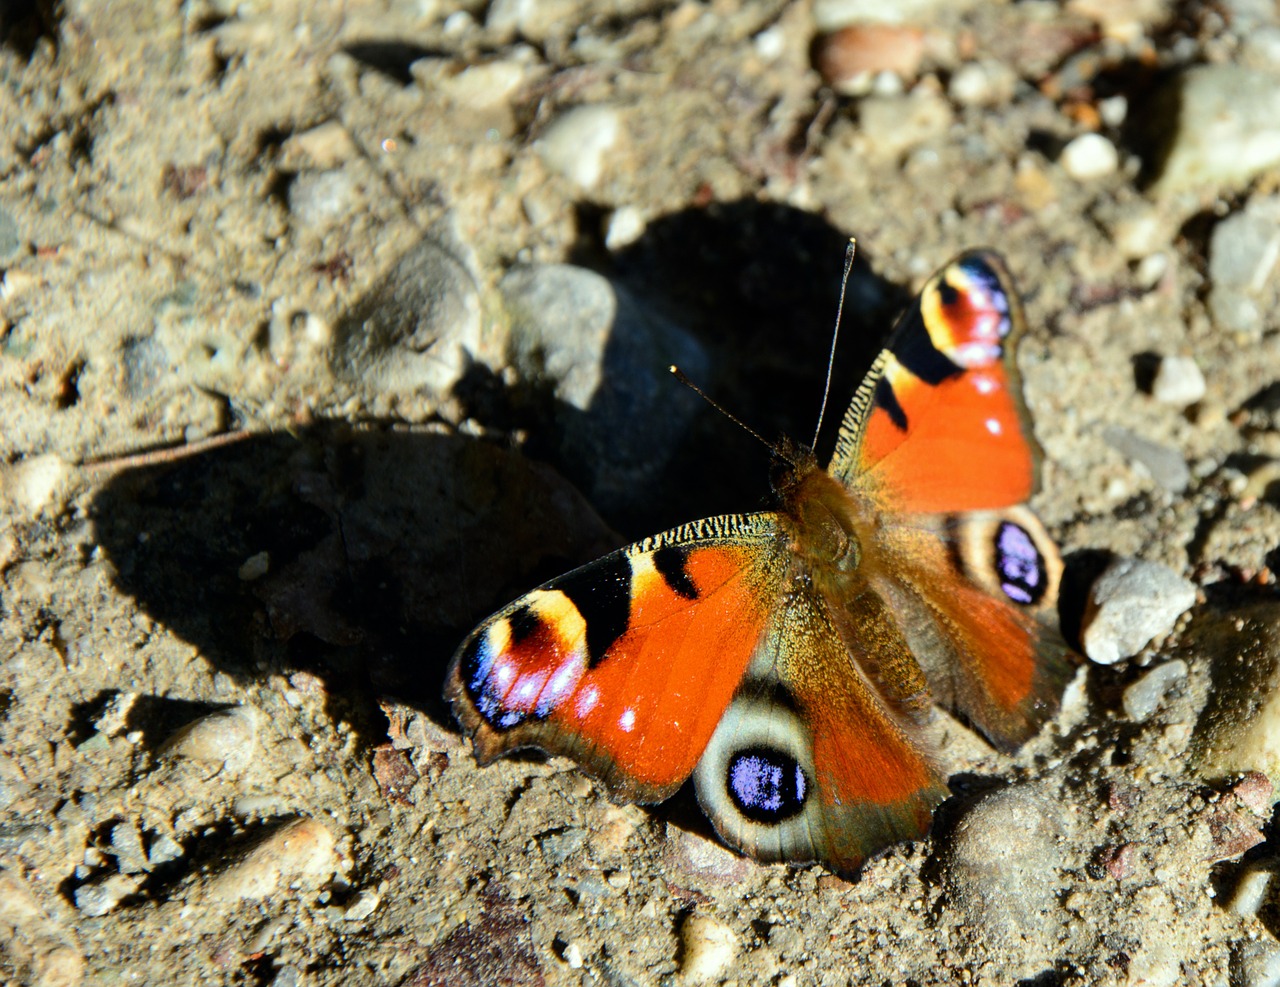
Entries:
{"x":146,"y":365}
{"x":1143,"y":697}
{"x":101,"y":897}
{"x":163,"y":849}
{"x":1243,"y":252}
{"x":605,"y":359}
{"x":413,"y":331}
{"x":1166,"y":466}
{"x":1001,"y":867}
{"x":126,"y":846}
{"x":1256,"y":964}
{"x":10,"y":238}
{"x":1129,"y":604}
{"x":1226,"y":130}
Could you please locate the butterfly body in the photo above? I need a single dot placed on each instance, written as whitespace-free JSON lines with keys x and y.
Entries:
{"x":789,"y":660}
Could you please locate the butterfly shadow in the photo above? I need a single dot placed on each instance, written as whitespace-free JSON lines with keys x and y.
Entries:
{"x":359,"y":555}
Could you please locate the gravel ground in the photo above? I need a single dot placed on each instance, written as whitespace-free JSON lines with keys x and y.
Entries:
{"x":326,"y":328}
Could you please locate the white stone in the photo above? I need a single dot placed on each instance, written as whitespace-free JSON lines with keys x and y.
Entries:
{"x":575,"y":145}
{"x":981,"y":83}
{"x":625,"y":226}
{"x":1178,"y":381}
{"x":1088,"y":157}
{"x":709,"y":948}
{"x":1130,"y":603}
{"x":1227,"y":129}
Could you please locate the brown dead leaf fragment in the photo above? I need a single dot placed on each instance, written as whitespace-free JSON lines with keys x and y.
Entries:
{"x":495,"y":952}
{"x":394,"y":773}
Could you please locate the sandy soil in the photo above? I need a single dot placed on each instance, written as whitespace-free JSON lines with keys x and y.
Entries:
{"x":199,"y":202}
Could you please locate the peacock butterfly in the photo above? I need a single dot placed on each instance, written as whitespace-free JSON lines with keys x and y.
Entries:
{"x":789,"y":659}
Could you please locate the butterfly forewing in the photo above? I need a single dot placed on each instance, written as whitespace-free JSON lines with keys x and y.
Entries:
{"x":627,"y":663}
{"x":939,"y":424}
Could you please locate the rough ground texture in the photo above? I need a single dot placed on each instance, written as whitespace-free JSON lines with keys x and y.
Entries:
{"x":331,"y":228}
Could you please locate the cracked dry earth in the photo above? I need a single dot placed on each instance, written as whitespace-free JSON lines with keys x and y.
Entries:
{"x":396,"y":285}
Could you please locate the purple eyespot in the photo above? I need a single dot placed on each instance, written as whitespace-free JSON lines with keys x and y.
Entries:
{"x":767,"y":785}
{"x":1019,"y":564}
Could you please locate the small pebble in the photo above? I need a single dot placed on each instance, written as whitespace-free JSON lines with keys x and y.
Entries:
{"x":1129,"y":604}
{"x":1088,"y":157}
{"x":1178,"y":381}
{"x":849,"y":58}
{"x":228,"y":737}
{"x":163,"y":849}
{"x":286,"y":976}
{"x":126,"y":847}
{"x":35,"y":485}
{"x":625,"y":226}
{"x":981,"y":84}
{"x":1243,"y":251}
{"x":1253,"y":887}
{"x":707,"y":949}
{"x":576,"y":144}
{"x":1143,"y":697}
{"x":303,"y":848}
{"x":573,"y":956}
{"x":325,"y":146}
{"x":318,"y":198}
{"x":255,"y":567}
{"x":1166,"y":466}
{"x":362,"y":906}
{"x":101,"y":897}
{"x":115,"y":715}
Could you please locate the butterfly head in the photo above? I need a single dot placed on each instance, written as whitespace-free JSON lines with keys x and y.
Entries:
{"x":821,"y":517}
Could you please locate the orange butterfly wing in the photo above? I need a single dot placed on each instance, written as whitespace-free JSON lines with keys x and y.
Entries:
{"x":938,"y":439}
{"x":627,"y":663}
{"x":939,"y":423}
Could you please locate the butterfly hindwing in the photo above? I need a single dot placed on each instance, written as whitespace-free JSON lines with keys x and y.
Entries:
{"x":627,"y":663}
{"x":813,"y":760}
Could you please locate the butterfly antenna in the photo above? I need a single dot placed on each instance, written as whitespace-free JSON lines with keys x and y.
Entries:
{"x":778,"y":451}
{"x":849,"y":251}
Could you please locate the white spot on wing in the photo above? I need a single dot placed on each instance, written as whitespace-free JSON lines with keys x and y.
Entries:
{"x":993,"y":426}
{"x":587,"y":700}
{"x":627,"y":721}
